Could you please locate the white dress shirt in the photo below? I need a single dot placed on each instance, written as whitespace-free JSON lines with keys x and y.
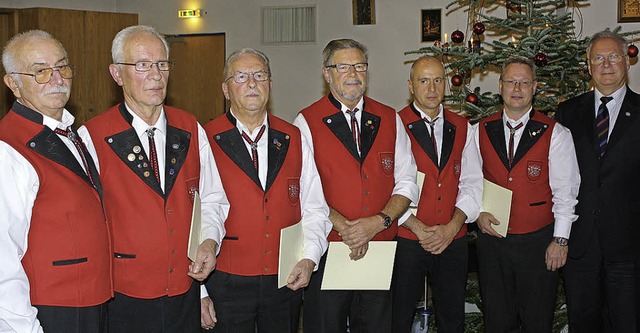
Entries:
{"x":564,"y":175}
{"x":613,"y":106}
{"x":315,"y":212}
{"x":19,"y":185}
{"x":469,"y":197}
{"x":215,"y":206}
{"x":405,"y":169}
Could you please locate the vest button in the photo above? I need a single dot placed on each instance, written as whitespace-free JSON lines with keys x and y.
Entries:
{"x":439,"y":211}
{"x":266,"y":199}
{"x":266,"y":235}
{"x":439,"y":198}
{"x":364,"y":176}
{"x":510,"y":179}
{"x":365,"y":208}
{"x":267,"y":252}
{"x":266,"y":269}
{"x":170,"y":270}
{"x":439,"y":184}
{"x":171,"y":232}
{"x":173,"y":251}
{"x":365,"y":192}
{"x":168,"y":211}
{"x":266,"y":217}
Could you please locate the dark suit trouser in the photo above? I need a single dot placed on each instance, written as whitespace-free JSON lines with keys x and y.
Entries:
{"x":176,"y":314}
{"x":246,"y":303}
{"x":518,"y":292}
{"x":601,"y":295}
{"x":327,"y":311}
{"x":448,"y":277}
{"x":61,"y":319}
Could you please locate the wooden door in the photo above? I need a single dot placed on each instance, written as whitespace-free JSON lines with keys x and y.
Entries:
{"x":6,"y":96}
{"x":196,"y":78}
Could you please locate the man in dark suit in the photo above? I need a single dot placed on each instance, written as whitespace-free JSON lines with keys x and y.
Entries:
{"x":602,"y":271}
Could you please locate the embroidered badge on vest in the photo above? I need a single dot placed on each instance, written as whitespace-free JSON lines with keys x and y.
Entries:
{"x":534,"y":169}
{"x":193,"y":187}
{"x":294,"y":190}
{"x":457,"y":167}
{"x":386,"y":161}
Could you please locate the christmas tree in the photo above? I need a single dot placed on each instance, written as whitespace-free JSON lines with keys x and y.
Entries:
{"x":542,"y":30}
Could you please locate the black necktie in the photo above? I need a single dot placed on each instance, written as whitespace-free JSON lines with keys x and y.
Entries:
{"x":77,"y":142}
{"x":513,"y":132}
{"x":355,"y":131}
{"x":153,"y":155}
{"x":433,"y":135}
{"x":602,"y":124}
{"x":254,"y":145}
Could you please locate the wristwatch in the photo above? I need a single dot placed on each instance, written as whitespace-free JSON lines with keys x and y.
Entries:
{"x":387,"y":221}
{"x":561,"y":241}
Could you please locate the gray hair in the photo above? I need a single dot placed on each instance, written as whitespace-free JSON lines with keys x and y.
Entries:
{"x":117,"y":46}
{"x":10,"y":53}
{"x":342,"y":44}
{"x":622,"y":43}
{"x":237,"y":53}
{"x":516,"y":59}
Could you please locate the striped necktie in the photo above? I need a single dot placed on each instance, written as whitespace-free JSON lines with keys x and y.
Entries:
{"x":602,"y":124}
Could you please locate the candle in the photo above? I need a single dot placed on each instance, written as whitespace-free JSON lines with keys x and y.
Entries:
{"x":445,"y":38}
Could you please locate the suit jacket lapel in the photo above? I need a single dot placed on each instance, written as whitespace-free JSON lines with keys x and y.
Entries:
{"x":627,"y":116}
{"x":176,"y":150}
{"x":337,"y":124}
{"x":277,"y":148}
{"x":495,"y":132}
{"x":369,"y":125}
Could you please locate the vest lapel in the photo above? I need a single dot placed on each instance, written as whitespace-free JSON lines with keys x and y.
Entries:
{"x":448,"y":138}
{"x":419,"y":131}
{"x":277,"y":148}
{"x":232,"y":145}
{"x":532,"y":133}
{"x":129,"y":149}
{"x":338,"y":125}
{"x":176,"y":150}
{"x":369,"y":125}
{"x":495,"y":132}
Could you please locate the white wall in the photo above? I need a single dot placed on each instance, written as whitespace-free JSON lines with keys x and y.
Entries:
{"x":297,"y":79}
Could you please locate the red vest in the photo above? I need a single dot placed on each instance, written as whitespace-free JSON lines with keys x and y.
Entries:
{"x":252,"y":242}
{"x":150,"y":230}
{"x":353,"y":188}
{"x":531,"y":202}
{"x":68,"y":261}
{"x":440,"y":187}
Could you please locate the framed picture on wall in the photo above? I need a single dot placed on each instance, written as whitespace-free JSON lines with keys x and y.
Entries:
{"x":364,"y":12}
{"x":431,"y":25}
{"x":628,"y":11}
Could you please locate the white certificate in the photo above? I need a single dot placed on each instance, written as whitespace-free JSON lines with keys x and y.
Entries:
{"x":373,"y":272}
{"x":291,"y":246}
{"x":497,"y":201}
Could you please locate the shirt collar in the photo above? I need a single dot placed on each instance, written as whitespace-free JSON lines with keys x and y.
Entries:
{"x":617,"y":95}
{"x":141,"y":126}
{"x":242,"y":128}
{"x":423,"y":115}
{"x":524,"y":119}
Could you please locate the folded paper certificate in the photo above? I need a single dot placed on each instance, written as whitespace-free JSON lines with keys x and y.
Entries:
{"x":373,"y":272}
{"x":497,"y":201}
{"x":196,"y":228}
{"x":420,"y":181}
{"x":291,"y":246}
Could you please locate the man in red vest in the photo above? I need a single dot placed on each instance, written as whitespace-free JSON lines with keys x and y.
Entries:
{"x":271,"y":180}
{"x":534,"y":157}
{"x":55,"y":248}
{"x":368,"y":175}
{"x":152,"y":159}
{"x":434,"y":241}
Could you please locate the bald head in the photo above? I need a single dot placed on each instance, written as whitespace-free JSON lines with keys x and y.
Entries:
{"x":426,"y":84}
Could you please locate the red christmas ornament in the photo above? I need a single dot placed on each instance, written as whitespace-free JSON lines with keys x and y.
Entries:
{"x":478,"y":28}
{"x":541,"y":59}
{"x":472,"y":98}
{"x":456,"y":80}
{"x":457,"y":36}
{"x":632,"y":51}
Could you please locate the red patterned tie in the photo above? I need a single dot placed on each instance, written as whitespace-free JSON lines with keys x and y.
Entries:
{"x":513,"y":132}
{"x":153,"y":155}
{"x":355,"y":130}
{"x":77,"y":142}
{"x":254,"y":145}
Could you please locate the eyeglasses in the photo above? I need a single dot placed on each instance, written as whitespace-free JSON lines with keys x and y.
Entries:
{"x":344,"y":68}
{"x":613,"y":58}
{"x":43,"y":75}
{"x":242,"y":77}
{"x":145,"y":66}
{"x":513,"y":83}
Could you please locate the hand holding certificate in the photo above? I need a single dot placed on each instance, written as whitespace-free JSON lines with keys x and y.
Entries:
{"x":372,"y":272}
{"x":497,"y":201}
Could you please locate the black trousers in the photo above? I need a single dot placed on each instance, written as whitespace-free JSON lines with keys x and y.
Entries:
{"x":327,"y":311}
{"x":176,"y":314}
{"x":448,"y":277}
{"x":61,"y":319}
{"x":518,"y":292}
{"x":601,"y":295}
{"x":249,"y":304}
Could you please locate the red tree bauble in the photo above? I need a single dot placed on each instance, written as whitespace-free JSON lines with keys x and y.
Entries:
{"x":457,"y":36}
{"x":472,"y":98}
{"x":541,"y":59}
{"x":632,"y":51}
{"x":478,"y":28}
{"x":456,"y":80}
